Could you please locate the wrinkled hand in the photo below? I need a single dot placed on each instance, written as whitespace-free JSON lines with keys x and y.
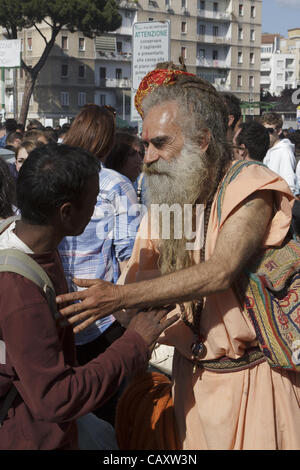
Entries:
{"x":99,"y":300}
{"x":151,"y":324}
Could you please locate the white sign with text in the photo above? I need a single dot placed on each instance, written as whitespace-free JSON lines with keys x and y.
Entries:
{"x":10,"y":53}
{"x":151,"y":44}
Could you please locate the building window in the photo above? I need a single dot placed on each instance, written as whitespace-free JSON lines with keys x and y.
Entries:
{"x":119,"y":47}
{"x":240,"y":58}
{"x":102,"y":100}
{"x":215,"y":55}
{"x":202,"y":5}
{"x":64,"y":98}
{"x":252,"y":35}
{"x":167,"y":3}
{"x":201,"y":29}
{"x":252,"y":13}
{"x":252,"y":57}
{"x":29,"y":44}
{"x":251,"y":81}
{"x":150,"y":19}
{"x":201,"y":54}
{"x":21,"y":72}
{"x":82,"y":98}
{"x":241,"y":34}
{"x":183,"y":3}
{"x":102,"y":73}
{"x":241,"y":9}
{"x":183,"y":27}
{"x":183,"y":52}
{"x":118,"y":74}
{"x":239,"y":81}
{"x":215,"y":7}
{"x":64,"y":42}
{"x":64,"y":70}
{"x":81,"y":71}
{"x":215,"y":31}
{"x":81,"y":44}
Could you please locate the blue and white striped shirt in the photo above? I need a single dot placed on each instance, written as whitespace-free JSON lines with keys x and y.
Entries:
{"x":107,"y":239}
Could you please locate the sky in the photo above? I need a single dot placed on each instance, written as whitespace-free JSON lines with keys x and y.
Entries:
{"x":280,"y":15}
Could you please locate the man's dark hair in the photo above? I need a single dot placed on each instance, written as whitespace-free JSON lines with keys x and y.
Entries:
{"x":50,"y":176}
{"x":233,"y":104}
{"x":256,"y":139}
{"x":35,"y":124}
{"x":10,"y":125}
{"x":7,"y":191}
{"x":12,"y":136}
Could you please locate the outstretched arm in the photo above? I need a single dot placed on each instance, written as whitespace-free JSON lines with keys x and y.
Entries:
{"x":240,"y":237}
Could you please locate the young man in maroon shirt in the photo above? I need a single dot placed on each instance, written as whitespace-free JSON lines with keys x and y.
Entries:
{"x":56,"y":191}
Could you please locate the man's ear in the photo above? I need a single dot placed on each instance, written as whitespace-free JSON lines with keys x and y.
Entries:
{"x":243,"y":152}
{"x":205,"y":139}
{"x":65,"y":211}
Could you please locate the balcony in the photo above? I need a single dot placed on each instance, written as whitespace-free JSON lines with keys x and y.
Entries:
{"x":266,"y":67}
{"x":210,"y":63}
{"x":224,"y":17}
{"x":117,"y":56}
{"x":265,"y":80}
{"x":205,"y":38}
{"x":115,"y":83}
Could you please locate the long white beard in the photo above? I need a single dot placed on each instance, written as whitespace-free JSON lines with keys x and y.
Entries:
{"x":183,"y":180}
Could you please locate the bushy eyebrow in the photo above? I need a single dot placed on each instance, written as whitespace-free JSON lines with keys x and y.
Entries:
{"x":159,"y":141}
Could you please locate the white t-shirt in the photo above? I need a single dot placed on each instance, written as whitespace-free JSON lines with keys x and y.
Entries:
{"x":9,"y":240}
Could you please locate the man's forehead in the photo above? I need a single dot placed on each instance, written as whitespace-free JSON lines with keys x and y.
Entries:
{"x":161,"y":120}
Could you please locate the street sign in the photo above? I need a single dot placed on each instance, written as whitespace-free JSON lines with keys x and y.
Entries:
{"x":10,"y":53}
{"x":151,"y":44}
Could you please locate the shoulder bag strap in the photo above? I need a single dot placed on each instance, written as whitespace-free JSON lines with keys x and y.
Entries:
{"x":5,"y":223}
{"x":231,"y":174}
{"x":16,"y":261}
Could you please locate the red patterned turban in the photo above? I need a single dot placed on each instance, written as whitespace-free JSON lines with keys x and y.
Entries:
{"x":154,"y":79}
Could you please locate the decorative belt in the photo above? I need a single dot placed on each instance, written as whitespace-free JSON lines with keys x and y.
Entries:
{"x":251,"y":358}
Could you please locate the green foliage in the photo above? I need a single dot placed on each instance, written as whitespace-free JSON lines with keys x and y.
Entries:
{"x":92,"y":17}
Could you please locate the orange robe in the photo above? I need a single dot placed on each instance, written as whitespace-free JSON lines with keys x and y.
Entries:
{"x":256,"y":408}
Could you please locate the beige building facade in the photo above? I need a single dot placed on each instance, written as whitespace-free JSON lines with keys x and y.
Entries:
{"x":219,"y":41}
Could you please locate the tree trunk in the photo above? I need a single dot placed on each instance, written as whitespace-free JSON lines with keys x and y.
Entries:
{"x":32,"y":73}
{"x":28,"y":90}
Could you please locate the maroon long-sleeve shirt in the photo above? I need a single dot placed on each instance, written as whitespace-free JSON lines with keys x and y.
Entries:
{"x":40,"y":360}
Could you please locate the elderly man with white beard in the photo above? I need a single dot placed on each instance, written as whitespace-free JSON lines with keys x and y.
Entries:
{"x":226,"y":396}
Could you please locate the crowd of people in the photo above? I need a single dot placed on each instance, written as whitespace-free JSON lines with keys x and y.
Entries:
{"x":74,"y":202}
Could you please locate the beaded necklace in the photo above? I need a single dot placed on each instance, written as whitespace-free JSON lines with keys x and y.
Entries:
{"x":197,"y":347}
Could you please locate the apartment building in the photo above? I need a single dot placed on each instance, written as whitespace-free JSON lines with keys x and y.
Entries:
{"x":219,"y":41}
{"x":65,"y":83}
{"x":280,"y":62}
{"x":291,"y":45}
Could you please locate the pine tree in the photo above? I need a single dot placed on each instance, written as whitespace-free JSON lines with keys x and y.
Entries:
{"x":91,"y":17}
